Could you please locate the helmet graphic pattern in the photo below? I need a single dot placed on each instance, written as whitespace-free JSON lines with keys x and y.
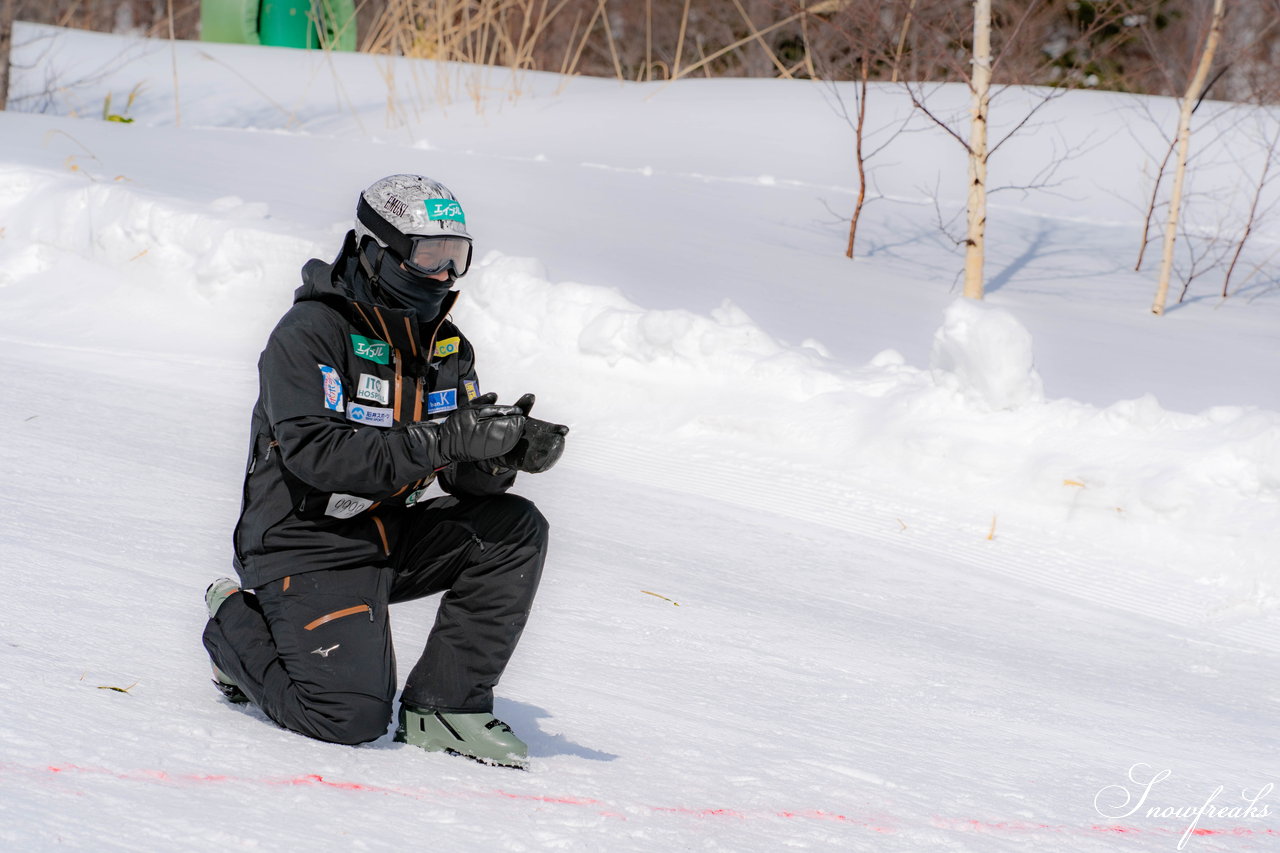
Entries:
{"x":416,"y":206}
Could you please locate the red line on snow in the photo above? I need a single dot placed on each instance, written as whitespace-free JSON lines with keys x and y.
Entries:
{"x":316,"y":780}
{"x":604,"y":809}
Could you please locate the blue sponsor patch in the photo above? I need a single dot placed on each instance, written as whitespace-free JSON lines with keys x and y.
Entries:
{"x":332,"y":388}
{"x":472,"y":387}
{"x":372,"y":415}
{"x":442,"y":401}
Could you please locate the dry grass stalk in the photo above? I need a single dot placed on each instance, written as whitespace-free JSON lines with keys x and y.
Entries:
{"x":173,"y":55}
{"x":677,"y":72}
{"x":648,"y":41}
{"x":684,"y":27}
{"x":469,"y":37}
{"x":764,"y":45}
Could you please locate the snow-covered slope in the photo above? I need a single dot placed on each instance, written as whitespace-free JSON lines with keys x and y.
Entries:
{"x":839,"y":562}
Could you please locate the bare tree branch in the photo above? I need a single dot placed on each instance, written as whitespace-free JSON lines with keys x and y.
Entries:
{"x":1252,"y":219}
{"x":1052,"y":96}
{"x":920,"y":105}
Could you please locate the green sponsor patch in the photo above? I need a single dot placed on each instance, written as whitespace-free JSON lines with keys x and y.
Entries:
{"x":443,"y":208}
{"x":373,"y":349}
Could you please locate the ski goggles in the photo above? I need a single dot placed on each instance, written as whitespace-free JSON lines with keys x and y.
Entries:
{"x":426,"y":255}
{"x":433,"y":255}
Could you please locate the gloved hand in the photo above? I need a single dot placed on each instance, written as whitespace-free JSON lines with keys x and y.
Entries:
{"x":539,"y":446}
{"x":480,"y":430}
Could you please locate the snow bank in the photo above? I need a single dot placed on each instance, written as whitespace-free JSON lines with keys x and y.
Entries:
{"x":665,"y":364}
{"x":973,"y":430}
{"x":106,"y":253}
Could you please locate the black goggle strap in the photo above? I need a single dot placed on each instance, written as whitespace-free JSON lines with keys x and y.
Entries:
{"x":398,"y":243}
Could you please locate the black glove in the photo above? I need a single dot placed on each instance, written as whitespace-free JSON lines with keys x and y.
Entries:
{"x":480,"y":430}
{"x":540,"y":444}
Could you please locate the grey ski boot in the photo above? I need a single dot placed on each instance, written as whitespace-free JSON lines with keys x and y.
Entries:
{"x":218,"y":592}
{"x":479,"y":736}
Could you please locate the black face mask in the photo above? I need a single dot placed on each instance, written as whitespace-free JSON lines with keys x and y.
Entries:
{"x":403,"y":289}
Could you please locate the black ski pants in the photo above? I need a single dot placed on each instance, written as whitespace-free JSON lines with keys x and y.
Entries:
{"x":314,"y":651}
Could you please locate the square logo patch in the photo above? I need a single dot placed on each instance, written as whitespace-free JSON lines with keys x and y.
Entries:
{"x":372,"y":388}
{"x":442,"y":401}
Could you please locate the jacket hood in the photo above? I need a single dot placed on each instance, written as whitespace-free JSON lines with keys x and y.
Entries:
{"x":332,"y":282}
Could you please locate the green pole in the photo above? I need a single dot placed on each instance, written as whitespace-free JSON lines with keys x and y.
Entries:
{"x":308,"y":23}
{"x":284,"y":23}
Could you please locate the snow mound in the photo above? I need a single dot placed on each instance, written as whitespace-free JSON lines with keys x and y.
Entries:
{"x":983,"y":353}
{"x":589,"y":333}
{"x":105,"y":250}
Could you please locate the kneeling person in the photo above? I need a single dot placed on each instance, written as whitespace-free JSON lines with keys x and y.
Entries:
{"x":367,"y":395}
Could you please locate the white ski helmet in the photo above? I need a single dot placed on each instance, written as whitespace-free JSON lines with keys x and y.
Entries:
{"x":419,"y":220}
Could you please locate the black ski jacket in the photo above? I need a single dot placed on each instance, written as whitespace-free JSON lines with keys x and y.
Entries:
{"x":331,"y":474}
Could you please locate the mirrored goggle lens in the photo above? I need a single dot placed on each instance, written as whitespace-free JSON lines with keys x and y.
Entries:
{"x":437,"y":254}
